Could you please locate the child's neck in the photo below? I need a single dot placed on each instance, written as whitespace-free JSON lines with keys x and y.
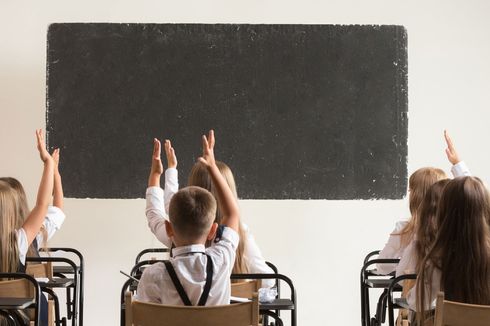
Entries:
{"x":186,"y":242}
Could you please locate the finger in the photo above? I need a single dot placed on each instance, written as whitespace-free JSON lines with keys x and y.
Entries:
{"x":38,"y":136}
{"x":156,"y":148}
{"x":202,"y":160}
{"x":449,"y":141}
{"x":211,"y":138}
{"x":448,"y":153}
{"x":205,"y":144}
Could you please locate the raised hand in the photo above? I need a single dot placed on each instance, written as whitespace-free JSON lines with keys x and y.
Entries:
{"x":170,"y":152}
{"x":156,"y":161}
{"x":56,"y":157}
{"x":156,"y":165}
{"x":207,"y":157}
{"x":451,"y":153}
{"x":41,"y":146}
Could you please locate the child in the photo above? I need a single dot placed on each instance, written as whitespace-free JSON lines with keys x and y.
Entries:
{"x":418,"y":184}
{"x":55,"y":216}
{"x":195,"y":275}
{"x":248,"y":257}
{"x":14,"y":241}
{"x":458,"y":263}
{"x":425,"y":232}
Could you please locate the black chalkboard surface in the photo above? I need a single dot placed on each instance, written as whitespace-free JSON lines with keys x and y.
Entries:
{"x":299,"y":111}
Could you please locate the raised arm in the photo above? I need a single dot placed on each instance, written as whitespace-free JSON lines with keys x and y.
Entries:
{"x":171,"y":175}
{"x":459,"y":168}
{"x":451,"y":153}
{"x":154,"y":198}
{"x":226,"y":199}
{"x":35,"y":219}
{"x":58,"y":186}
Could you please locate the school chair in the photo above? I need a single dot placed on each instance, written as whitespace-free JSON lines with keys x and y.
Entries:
{"x":151,"y":314}
{"x":19,"y":292}
{"x":271,"y":309}
{"x":370,"y":279}
{"x":45,"y":271}
{"x":397,"y":303}
{"x":460,"y":314}
{"x":163,"y":253}
{"x":57,"y":280}
{"x":72,"y":268}
{"x":245,"y":289}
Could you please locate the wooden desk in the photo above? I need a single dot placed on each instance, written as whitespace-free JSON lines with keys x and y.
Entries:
{"x":57,"y":283}
{"x":380,"y":283}
{"x":16,"y":303}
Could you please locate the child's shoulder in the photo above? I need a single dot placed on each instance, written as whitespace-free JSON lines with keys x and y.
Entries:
{"x":400,"y":225}
{"x":154,"y":273}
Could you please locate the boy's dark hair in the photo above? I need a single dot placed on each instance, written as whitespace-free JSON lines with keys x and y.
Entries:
{"x":192,"y":211}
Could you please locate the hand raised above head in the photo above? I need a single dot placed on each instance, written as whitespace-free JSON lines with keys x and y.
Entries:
{"x":452,"y":154}
{"x":156,"y":161}
{"x":207,"y":157}
{"x":56,"y":156}
{"x":170,"y":152}
{"x":41,"y":147}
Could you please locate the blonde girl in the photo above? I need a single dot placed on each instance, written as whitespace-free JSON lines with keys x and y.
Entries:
{"x":425,"y":232}
{"x":15,"y":240}
{"x":418,"y":185}
{"x":55,"y":216}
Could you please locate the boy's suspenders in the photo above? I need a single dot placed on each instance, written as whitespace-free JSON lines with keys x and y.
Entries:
{"x":180,"y":288}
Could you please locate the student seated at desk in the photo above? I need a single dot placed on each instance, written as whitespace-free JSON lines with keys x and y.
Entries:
{"x":425,"y":232}
{"x":249,"y":258}
{"x":18,"y":231}
{"x":419,"y":183}
{"x":54,"y":217}
{"x":458,"y":263}
{"x":195,"y":275}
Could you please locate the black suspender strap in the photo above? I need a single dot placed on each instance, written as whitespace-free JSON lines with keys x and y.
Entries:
{"x":177,"y":284}
{"x":209,"y":281}
{"x":180,"y":288}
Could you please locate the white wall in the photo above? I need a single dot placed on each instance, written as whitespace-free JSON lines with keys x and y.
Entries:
{"x":449,"y":79}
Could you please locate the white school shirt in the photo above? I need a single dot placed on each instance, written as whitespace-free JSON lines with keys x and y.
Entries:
{"x":52,"y":223}
{"x":190,"y":263}
{"x":435,"y":287}
{"x":408,"y":261}
{"x":156,"y":200}
{"x":394,"y":248}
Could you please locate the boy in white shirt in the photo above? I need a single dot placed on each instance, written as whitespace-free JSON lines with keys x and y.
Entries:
{"x":195,"y":275}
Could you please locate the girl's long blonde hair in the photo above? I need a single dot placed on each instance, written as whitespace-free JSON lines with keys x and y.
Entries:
{"x":427,"y":224}
{"x":23,"y":211}
{"x":199,"y":176}
{"x":9,"y":252}
{"x":461,"y":250}
{"x":418,"y":185}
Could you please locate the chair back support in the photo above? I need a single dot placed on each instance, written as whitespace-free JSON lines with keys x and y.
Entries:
{"x":150,"y":314}
{"x":245,"y":289}
{"x":460,"y":314}
{"x":20,"y":288}
{"x":40,"y":270}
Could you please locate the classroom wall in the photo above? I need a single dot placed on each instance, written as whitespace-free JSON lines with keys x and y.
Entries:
{"x":449,"y":79}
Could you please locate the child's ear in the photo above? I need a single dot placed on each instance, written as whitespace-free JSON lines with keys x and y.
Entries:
{"x":212,"y":231}
{"x":169,"y":229}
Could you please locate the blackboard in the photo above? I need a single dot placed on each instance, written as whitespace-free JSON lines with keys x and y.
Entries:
{"x":299,"y":111}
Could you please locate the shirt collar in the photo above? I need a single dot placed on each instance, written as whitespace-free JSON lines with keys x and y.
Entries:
{"x":186,"y":250}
